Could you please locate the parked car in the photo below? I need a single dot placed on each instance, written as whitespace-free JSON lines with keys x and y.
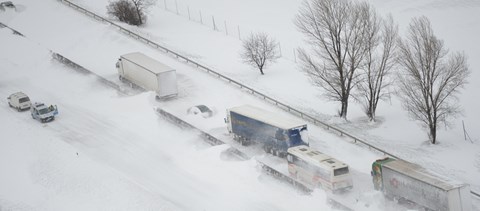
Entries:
{"x":202,"y":110}
{"x":44,"y":113}
{"x":7,"y":4}
{"x":19,"y":100}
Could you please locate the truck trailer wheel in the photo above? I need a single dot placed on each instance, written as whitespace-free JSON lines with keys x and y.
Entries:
{"x":273,"y":151}
{"x":266,"y":148}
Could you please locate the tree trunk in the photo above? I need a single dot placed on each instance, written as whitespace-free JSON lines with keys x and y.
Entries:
{"x":343,"y":112}
{"x":261,"y":71}
{"x":433,"y":133}
{"x":139,"y":14}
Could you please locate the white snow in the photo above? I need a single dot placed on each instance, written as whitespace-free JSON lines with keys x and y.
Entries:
{"x":129,"y":158}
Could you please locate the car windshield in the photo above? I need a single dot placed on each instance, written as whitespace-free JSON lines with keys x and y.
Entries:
{"x":43,"y":111}
{"x":23,"y":99}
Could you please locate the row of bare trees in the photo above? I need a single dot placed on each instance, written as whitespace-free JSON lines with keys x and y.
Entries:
{"x":355,"y":52}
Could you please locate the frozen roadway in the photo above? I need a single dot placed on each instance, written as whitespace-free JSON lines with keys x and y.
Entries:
{"x":78,"y":123}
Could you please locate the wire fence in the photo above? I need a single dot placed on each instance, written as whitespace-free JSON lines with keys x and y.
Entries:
{"x":228,"y":28}
{"x":252,"y":91}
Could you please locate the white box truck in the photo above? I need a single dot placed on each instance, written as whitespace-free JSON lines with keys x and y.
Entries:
{"x":403,"y":180}
{"x":148,"y":73}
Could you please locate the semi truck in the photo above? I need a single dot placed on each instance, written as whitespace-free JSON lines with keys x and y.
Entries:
{"x":402,"y":180}
{"x":250,"y":124}
{"x":148,"y":74}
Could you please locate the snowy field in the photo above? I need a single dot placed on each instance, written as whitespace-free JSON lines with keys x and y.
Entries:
{"x":130,"y":159}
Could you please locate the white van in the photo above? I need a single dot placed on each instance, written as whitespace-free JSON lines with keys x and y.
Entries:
{"x":19,"y":100}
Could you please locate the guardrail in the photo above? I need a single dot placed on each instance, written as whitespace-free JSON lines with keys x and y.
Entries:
{"x":80,"y":69}
{"x":13,"y":30}
{"x":279,"y":104}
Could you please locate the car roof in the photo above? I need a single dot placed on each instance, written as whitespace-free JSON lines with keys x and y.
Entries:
{"x":39,"y":105}
{"x":19,"y":94}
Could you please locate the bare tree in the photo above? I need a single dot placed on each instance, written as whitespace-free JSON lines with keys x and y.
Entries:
{"x":430,"y":77}
{"x":130,"y":11}
{"x":379,"y":61}
{"x":141,"y":7}
{"x":334,"y":30}
{"x":259,"y":50}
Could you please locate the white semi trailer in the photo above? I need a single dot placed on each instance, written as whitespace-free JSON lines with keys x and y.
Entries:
{"x":148,"y":73}
{"x":403,"y":180}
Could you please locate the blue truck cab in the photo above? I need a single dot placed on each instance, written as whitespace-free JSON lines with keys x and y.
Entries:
{"x":250,"y":124}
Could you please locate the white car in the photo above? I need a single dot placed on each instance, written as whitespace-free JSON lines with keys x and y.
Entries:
{"x":202,"y":110}
{"x":43,"y":113}
{"x":19,"y":100}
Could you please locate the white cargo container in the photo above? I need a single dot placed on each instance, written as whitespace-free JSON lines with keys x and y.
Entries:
{"x":404,"y":180}
{"x":148,"y":73}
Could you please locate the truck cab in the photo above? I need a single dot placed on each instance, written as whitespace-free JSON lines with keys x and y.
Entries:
{"x":377,"y":173}
{"x":19,"y":100}
{"x":43,"y":113}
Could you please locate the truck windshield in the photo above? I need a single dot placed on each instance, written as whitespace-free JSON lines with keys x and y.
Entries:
{"x":43,"y":111}
{"x":340,"y":171}
{"x":298,"y":136}
{"x":23,"y":99}
{"x":304,"y":135}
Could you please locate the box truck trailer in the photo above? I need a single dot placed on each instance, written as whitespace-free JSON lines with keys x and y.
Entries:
{"x":148,"y":74}
{"x":276,"y":134}
{"x":399,"y":179}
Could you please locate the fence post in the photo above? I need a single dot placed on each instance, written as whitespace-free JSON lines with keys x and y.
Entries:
{"x":226,"y":30}
{"x":294,"y":55}
{"x":176,"y":6}
{"x":238,"y":28}
{"x":201,"y":19}
{"x":280,"y":49}
{"x":214,"y":26}
{"x":165,"y":4}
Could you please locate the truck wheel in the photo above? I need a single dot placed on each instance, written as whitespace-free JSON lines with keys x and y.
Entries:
{"x":272,"y":151}
{"x":295,"y":175}
{"x":9,"y":104}
{"x":18,"y":109}
{"x":266,"y":149}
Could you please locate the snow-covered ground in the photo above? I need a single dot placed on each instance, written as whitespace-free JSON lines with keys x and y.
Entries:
{"x":106,"y":151}
{"x":128,"y":158}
